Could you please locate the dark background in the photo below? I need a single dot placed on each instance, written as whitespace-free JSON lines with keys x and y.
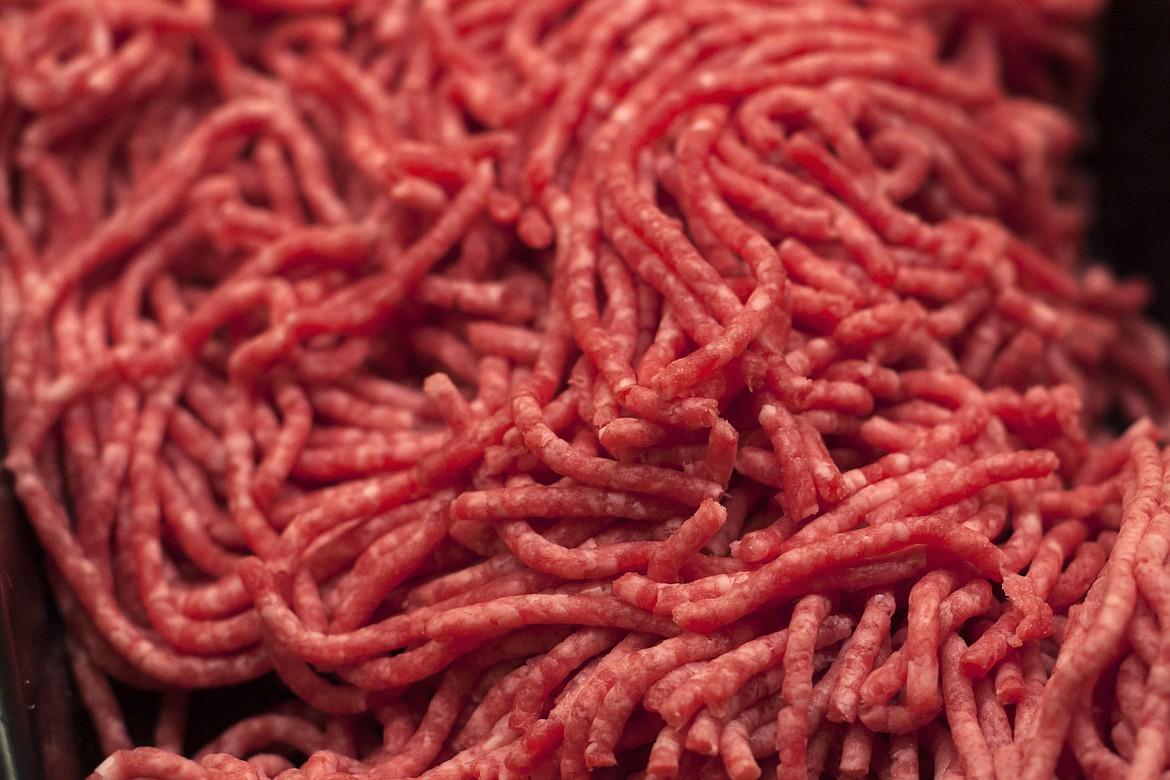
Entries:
{"x":1131,"y":158}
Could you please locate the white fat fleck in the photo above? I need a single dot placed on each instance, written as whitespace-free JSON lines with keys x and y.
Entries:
{"x":602,"y":101}
{"x":854,"y":480}
{"x":108,"y":767}
{"x":760,"y":304}
{"x":509,"y":616}
{"x":101,"y":80}
{"x":759,"y":244}
{"x":902,"y":532}
{"x":497,"y":739}
{"x":623,"y":114}
{"x":559,"y":207}
{"x":639,"y":55}
{"x":40,"y":295}
{"x":639,"y":509}
{"x":799,"y":362}
{"x":115,"y":452}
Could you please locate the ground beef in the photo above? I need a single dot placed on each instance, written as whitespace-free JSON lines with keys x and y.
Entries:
{"x":654,"y":388}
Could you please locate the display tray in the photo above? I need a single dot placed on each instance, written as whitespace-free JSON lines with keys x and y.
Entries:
{"x":39,"y":714}
{"x":44,"y":734}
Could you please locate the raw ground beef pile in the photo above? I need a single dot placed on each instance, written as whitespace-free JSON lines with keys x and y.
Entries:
{"x":536,"y":388}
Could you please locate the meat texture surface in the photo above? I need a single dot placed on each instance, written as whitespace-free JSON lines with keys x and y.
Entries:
{"x":613,"y":388}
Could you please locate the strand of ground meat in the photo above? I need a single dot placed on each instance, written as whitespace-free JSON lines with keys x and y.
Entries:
{"x":539,"y":389}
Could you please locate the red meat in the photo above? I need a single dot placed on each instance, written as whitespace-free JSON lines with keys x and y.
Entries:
{"x":659,"y":388}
